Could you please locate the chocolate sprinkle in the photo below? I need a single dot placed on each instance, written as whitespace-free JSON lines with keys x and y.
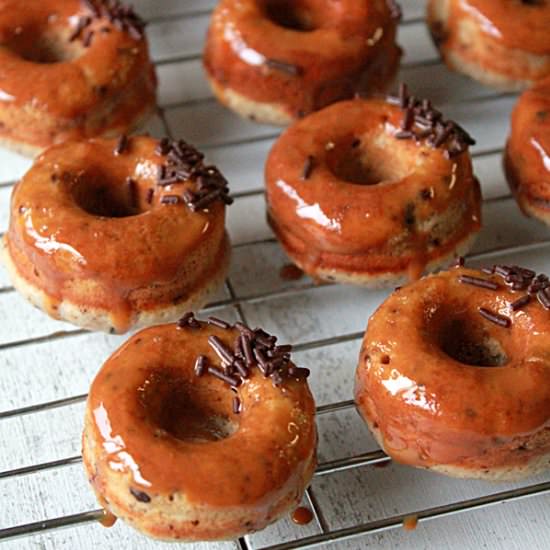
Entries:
{"x":283,"y":67}
{"x":236,"y":405}
{"x":188,"y":321}
{"x":543,"y":298}
{"x":170,"y":199}
{"x":201,"y":365}
{"x":252,"y":348}
{"x":87,"y":40}
{"x":403,"y":134}
{"x":495,"y":318}
{"x":219,"y":347}
{"x":81,"y":24}
{"x":421,"y":121}
{"x":517,"y":278}
{"x":184,"y":163}
{"x":121,"y":16}
{"x":121,"y":145}
{"x":218,"y":322}
{"x":149,"y":196}
{"x":247,"y":350}
{"x":520,"y":302}
{"x":133,"y":190}
{"x":140,"y":495}
{"x":243,"y":329}
{"x":231,"y":380}
{"x":476,"y":281}
{"x":241,"y":369}
{"x":308,"y":167}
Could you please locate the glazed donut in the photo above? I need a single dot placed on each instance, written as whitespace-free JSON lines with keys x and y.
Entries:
{"x":504,"y":43}
{"x":276,"y":60}
{"x":372,"y":193}
{"x":454,"y":373}
{"x":200,"y":431}
{"x":114,"y":234}
{"x":71,"y":69}
{"x":527,"y":156}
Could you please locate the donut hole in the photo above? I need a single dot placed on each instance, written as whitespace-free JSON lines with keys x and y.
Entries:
{"x":44,"y":48}
{"x":466,"y":342}
{"x":187,"y":410}
{"x":100,"y":196}
{"x":289,"y":14}
{"x":366,"y":164}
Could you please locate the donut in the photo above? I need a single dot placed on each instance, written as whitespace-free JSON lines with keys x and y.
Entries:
{"x":200,"y":431}
{"x":454,"y":373}
{"x":71,"y":69}
{"x":276,"y":60}
{"x":503,"y":44}
{"x":113,"y":234}
{"x":373,"y":191}
{"x":527,"y":156}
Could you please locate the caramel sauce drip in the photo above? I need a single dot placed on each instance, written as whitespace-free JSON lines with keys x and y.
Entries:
{"x":291,"y":272}
{"x":410,"y":523}
{"x":302,"y":515}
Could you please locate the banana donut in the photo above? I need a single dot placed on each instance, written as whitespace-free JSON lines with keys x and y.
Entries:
{"x":500,"y":43}
{"x":371,"y":192}
{"x":71,"y":69}
{"x":276,"y":60}
{"x":200,"y":431}
{"x":527,"y":156}
{"x":114,"y":234}
{"x":454,"y":373}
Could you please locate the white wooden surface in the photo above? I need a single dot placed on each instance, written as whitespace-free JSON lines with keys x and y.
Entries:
{"x":43,"y":360}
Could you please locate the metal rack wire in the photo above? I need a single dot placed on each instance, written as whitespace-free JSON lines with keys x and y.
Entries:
{"x":325,"y":468}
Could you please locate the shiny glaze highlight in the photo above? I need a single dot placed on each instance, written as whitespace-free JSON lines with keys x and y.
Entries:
{"x":513,"y":23}
{"x":143,"y":256}
{"x":102,"y":89}
{"x":328,"y":221}
{"x":501,"y":43}
{"x":527,"y":158}
{"x":430,"y":409}
{"x":350,"y":46}
{"x":241,"y":481}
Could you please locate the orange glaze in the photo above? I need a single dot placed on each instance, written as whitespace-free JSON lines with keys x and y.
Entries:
{"x":328,"y":222}
{"x":83,"y":93}
{"x":75,"y":221}
{"x":156,"y":424}
{"x":527,"y":157}
{"x":347,"y":46}
{"x":430,"y":408}
{"x":502,"y":43}
{"x":513,"y":23}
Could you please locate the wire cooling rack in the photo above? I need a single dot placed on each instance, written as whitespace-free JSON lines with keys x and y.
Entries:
{"x":359,"y":497}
